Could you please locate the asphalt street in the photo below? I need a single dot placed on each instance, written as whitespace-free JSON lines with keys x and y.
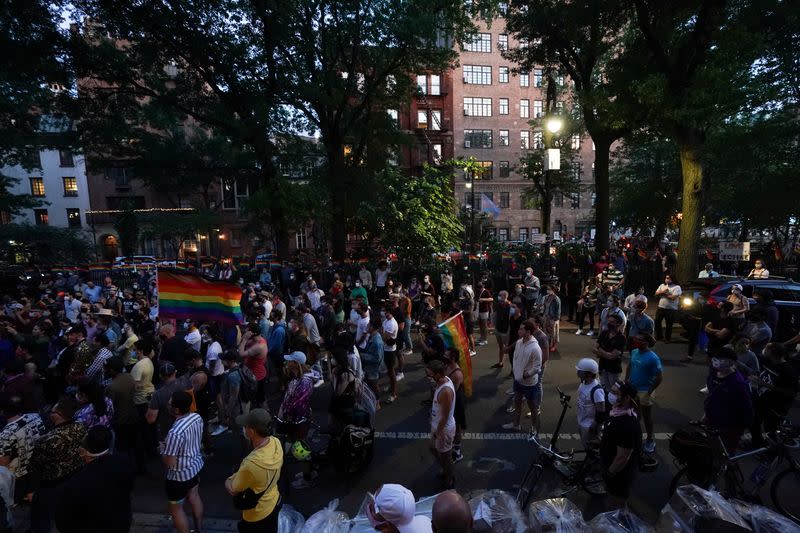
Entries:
{"x":494,"y":458}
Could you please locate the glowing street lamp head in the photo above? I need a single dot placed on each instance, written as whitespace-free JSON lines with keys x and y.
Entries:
{"x":554,"y":124}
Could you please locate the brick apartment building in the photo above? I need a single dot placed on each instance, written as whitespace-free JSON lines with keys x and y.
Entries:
{"x":492,"y":110}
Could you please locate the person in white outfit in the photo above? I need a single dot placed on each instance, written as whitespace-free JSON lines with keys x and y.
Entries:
{"x":443,"y":421}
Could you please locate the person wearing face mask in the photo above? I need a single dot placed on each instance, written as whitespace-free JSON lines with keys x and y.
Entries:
{"x":254,"y":485}
{"x":253,"y":350}
{"x":668,"y":294}
{"x":591,"y":407}
{"x":428,"y":290}
{"x":708,"y":272}
{"x":621,"y":443}
{"x":552,"y":316}
{"x":587,"y":305}
{"x":645,"y":373}
{"x":613,"y":309}
{"x":759,"y":271}
{"x":72,"y":307}
{"x":392,"y":511}
{"x":389,"y":331}
{"x":741,"y":305}
{"x":720,"y":329}
{"x":610,"y":345}
{"x":527,"y":368}
{"x":359,"y":291}
{"x":364,"y":279}
{"x":296,"y":405}
{"x":728,"y":408}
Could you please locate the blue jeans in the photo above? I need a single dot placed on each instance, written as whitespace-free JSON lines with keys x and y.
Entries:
{"x":405,"y":338}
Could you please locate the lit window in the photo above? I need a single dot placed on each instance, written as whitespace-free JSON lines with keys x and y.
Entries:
{"x":422,"y":83}
{"x":41,"y":218}
{"x":70,"y":187}
{"x":503,"y":108}
{"x":503,"y":137}
{"x":576,"y":142}
{"x":74,"y":218}
{"x":524,"y":79}
{"x":481,"y":43}
{"x":437,"y":153}
{"x":422,"y":120}
{"x":503,"y":74}
{"x":486,"y":172}
{"x":301,"y":239}
{"x":525,"y":139}
{"x":37,"y":187}
{"x":525,"y":108}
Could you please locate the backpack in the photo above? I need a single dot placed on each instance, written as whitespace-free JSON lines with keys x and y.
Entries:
{"x":353,"y":449}
{"x":247,"y":391}
{"x":601,"y":417}
{"x":691,"y":447}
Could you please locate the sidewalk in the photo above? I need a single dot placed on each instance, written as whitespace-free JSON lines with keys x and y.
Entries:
{"x":161,"y":523}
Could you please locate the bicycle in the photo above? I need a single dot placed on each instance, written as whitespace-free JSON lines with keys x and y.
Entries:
{"x":725,"y":474}
{"x":573,"y":469}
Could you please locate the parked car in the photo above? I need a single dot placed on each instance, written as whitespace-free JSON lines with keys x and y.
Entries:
{"x":701,"y":297}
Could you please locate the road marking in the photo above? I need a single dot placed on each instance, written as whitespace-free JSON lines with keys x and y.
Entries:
{"x":415,"y":435}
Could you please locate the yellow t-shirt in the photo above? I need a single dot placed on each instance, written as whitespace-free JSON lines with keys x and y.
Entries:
{"x":259,"y":470}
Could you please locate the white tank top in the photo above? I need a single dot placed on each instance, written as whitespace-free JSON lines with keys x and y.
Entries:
{"x":436,"y":408}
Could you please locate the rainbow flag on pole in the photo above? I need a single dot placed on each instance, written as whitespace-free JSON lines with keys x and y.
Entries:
{"x":454,"y":333}
{"x":183,"y":295}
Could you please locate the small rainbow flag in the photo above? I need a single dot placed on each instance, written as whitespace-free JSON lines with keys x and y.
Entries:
{"x":454,"y":334}
{"x":363,"y":261}
{"x":182,"y":295}
{"x":507,"y":256}
{"x":275,"y":264}
{"x":261,"y":263}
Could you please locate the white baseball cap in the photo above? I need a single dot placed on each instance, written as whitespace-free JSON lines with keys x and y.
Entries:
{"x":297,"y":357}
{"x":396,"y":505}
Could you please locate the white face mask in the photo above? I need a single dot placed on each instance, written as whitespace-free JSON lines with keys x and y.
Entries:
{"x":612,"y":398}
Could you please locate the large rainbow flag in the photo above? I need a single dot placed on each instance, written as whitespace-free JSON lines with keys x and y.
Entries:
{"x":183,"y":295}
{"x":454,"y":333}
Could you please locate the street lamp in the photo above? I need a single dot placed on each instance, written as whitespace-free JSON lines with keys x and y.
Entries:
{"x":469,"y":187}
{"x":554,"y":124}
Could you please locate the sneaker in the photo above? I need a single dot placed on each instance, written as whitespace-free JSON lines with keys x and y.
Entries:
{"x":528,"y":414}
{"x":319,"y":383}
{"x":511,"y":409}
{"x":591,"y":333}
{"x":219,"y":430}
{"x":649,"y":446}
{"x":511,"y":425}
{"x":457,"y":456}
{"x":302,"y":483}
{"x":390,"y":399}
{"x":472,"y":353}
{"x":579,"y":332}
{"x":483,"y":342}
{"x":399,"y":376}
{"x":704,"y":390}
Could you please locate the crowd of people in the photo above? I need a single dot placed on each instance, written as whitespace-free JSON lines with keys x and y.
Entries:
{"x":94,"y":384}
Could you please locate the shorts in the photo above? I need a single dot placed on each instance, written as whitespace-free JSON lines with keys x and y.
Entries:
{"x":483,"y":316}
{"x":532,"y":393}
{"x":468,"y":324}
{"x":646,"y":399}
{"x":502,"y":338}
{"x":178,"y":490}
{"x":443,"y":443}
{"x":390,"y":359}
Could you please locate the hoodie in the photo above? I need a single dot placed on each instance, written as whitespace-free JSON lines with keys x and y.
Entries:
{"x":260,"y":472}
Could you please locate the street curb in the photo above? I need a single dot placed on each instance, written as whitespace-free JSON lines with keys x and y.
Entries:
{"x":158,"y":523}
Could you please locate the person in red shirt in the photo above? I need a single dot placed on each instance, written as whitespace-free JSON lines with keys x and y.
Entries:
{"x":253,"y":348}
{"x":600,"y":265}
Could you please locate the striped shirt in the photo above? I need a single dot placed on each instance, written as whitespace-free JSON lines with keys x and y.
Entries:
{"x":183,"y":443}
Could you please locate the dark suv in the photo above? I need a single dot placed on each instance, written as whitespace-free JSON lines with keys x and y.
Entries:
{"x":702,"y":296}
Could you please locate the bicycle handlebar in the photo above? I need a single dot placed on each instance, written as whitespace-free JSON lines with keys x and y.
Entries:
{"x":563,"y":398}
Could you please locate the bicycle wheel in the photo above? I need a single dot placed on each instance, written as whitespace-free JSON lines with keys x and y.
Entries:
{"x":784,"y":490}
{"x":528,"y":483}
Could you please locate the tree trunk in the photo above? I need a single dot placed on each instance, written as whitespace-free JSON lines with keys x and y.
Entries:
{"x":547,"y":209}
{"x":277,"y":213}
{"x":602,"y":192}
{"x":689,"y":145}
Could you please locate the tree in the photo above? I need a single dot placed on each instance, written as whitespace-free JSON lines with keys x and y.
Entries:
{"x":43,"y":245}
{"x":422,"y":217}
{"x":645,"y":183}
{"x":582,"y":40}
{"x":697,"y":57}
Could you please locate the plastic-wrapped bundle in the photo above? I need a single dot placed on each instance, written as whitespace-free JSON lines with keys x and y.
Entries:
{"x":290,"y":520}
{"x":621,"y":520}
{"x":497,"y":511}
{"x":764,"y":520}
{"x":556,"y":515}
{"x":327,"y":520}
{"x":693,"y":509}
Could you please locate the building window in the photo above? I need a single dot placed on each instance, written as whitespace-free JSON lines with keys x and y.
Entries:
{"x":477,"y":74}
{"x":503,"y":7}
{"x":236,"y":238}
{"x":560,"y":80}
{"x":477,"y":107}
{"x":301,"y":239}
{"x":593,"y":172}
{"x":525,"y":108}
{"x":576,"y":142}
{"x":537,"y":77}
{"x":491,"y":233}
{"x":436,"y":84}
{"x":593,"y":198}
{"x":503,"y":107}
{"x":502,"y":74}
{"x":468,"y":200}
{"x":65,"y":158}
{"x":74,"y":218}
{"x":487,"y":173}
{"x":537,"y":109}
{"x":592,"y":146}
{"x":503,"y":137}
{"x":504,"y":200}
{"x":121,"y":177}
{"x":394,"y":116}
{"x":40,"y":216}
{"x":422,"y":83}
{"x":5,"y":217}
{"x":559,"y":107}
{"x":502,"y":234}
{"x":538,"y":140}
{"x":502,"y":41}
{"x":524,"y":79}
{"x":558,"y":199}
{"x":489,"y":195}
{"x":477,"y":138}
{"x":234,"y":194}
{"x":523,"y":234}
{"x":437,"y":153}
{"x":70,"y":186}
{"x":575,"y":200}
{"x":535,"y":231}
{"x":481,"y":43}
{"x":422,"y":120}
{"x":37,"y":187}
{"x":525,"y":139}
{"x":505,"y":169}
{"x":436,"y":119}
